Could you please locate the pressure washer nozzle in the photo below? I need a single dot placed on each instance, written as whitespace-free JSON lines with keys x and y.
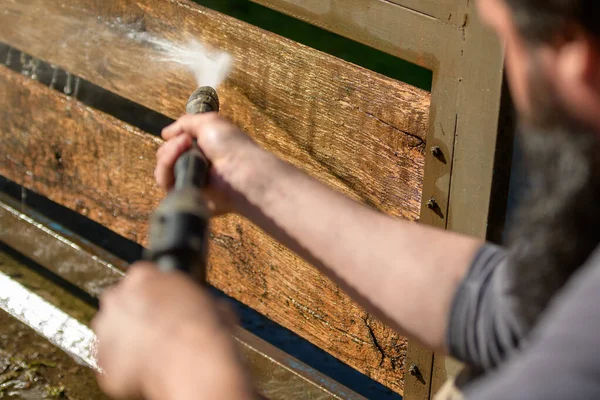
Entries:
{"x":204,"y":99}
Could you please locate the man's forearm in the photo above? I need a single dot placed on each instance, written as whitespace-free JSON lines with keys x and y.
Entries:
{"x":404,"y":273}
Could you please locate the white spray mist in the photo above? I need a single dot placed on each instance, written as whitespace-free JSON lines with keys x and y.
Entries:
{"x":210,"y":68}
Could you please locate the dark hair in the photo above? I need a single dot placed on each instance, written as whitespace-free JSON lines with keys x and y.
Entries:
{"x":543,"y":20}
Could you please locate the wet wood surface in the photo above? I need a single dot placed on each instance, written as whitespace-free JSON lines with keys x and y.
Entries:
{"x":102,"y":168}
{"x":77,"y":261}
{"x":30,"y":366}
{"x":361,"y":132}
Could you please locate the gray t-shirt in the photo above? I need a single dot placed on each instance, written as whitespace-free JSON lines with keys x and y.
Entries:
{"x":560,"y":359}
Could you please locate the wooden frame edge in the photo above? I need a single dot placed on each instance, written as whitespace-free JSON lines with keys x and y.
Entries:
{"x":464,"y":198}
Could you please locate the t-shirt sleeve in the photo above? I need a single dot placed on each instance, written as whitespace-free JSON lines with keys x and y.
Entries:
{"x":562,"y":356}
{"x":484,"y":325}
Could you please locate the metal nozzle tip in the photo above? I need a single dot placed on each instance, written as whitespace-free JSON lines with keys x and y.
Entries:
{"x":204,"y":99}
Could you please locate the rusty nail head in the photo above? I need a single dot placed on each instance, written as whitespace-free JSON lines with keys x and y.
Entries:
{"x":432,"y":204}
{"x":414,"y":370}
{"x":436,"y":151}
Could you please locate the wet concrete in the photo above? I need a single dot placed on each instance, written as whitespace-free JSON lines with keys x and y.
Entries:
{"x":30,"y":366}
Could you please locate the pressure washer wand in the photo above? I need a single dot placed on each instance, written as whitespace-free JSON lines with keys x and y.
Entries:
{"x":180,"y":226}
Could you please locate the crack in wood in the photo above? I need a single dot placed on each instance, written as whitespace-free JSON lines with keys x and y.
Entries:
{"x":419,"y":140}
{"x":374,"y":340}
{"x":320,"y":318}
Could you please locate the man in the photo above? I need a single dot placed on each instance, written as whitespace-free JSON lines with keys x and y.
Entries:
{"x":525,"y":320}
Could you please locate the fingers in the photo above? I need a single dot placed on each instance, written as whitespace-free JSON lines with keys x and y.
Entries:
{"x":166,"y":157}
{"x":189,"y":124}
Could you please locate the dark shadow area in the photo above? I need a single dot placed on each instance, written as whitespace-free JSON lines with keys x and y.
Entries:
{"x":323,"y":40}
{"x":502,"y":193}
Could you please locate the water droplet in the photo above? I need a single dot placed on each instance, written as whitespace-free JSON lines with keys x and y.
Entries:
{"x":54,"y":77}
{"x":23,"y":198}
{"x":69,"y":85}
{"x":8,"y":60}
{"x":35,"y":63}
{"x":77,"y":83}
{"x":24,"y":64}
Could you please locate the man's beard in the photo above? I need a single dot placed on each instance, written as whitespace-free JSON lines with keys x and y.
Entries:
{"x":557,"y":225}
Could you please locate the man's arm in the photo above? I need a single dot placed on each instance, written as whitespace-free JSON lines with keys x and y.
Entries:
{"x":405,"y":274}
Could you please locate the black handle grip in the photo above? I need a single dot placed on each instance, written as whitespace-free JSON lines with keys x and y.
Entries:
{"x":191,"y":169}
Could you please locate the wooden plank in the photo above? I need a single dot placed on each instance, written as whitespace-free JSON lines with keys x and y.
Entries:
{"x":390,"y":26}
{"x":323,"y":114}
{"x":449,"y":11}
{"x":443,"y":11}
{"x":102,"y":168}
{"x":48,"y":244}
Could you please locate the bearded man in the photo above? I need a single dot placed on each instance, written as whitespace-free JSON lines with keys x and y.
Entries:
{"x":525,"y":319}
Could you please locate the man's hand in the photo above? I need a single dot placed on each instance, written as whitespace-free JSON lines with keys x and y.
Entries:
{"x":231,"y":152}
{"x":160,"y":336}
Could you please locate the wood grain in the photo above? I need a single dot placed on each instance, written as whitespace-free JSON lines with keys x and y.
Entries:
{"x":381,"y":24}
{"x":102,"y":168}
{"x":361,"y":132}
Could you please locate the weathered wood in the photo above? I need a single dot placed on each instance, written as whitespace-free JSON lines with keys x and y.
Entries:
{"x":328,"y":11}
{"x":75,"y":260}
{"x":329,"y":117}
{"x":102,"y":168}
{"x":448,"y":11}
